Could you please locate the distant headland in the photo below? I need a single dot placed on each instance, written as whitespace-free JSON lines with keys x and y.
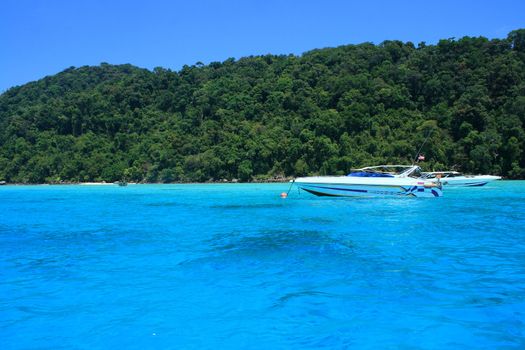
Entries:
{"x":262,"y":118}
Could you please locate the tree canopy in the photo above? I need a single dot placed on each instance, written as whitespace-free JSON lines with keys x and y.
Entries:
{"x":324,"y":112}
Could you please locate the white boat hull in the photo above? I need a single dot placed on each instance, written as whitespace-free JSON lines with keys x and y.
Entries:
{"x":469,"y":181}
{"x":343,"y":186}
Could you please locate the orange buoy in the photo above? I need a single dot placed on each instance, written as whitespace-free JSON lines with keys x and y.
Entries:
{"x":284,"y":195}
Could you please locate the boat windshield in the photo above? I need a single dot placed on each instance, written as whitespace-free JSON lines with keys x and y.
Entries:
{"x":416,"y":173}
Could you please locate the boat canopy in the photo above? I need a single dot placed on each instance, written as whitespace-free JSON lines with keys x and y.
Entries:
{"x":386,"y":171}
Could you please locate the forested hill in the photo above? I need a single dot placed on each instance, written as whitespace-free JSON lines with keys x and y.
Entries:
{"x":323,"y":112}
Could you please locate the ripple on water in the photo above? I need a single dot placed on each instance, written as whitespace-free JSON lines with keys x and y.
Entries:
{"x":238,"y":267}
{"x":244,"y":206}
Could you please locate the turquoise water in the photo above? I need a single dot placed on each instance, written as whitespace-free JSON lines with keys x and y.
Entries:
{"x":235,"y":266}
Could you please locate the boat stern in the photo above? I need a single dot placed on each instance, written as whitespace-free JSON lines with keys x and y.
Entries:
{"x":427,"y":189}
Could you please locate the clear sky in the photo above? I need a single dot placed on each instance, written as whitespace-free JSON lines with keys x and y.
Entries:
{"x":43,"y":37}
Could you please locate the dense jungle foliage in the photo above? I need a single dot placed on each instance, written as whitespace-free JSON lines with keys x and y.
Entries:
{"x":324,"y":112}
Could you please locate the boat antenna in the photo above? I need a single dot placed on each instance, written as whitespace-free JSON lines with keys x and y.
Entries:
{"x":419,"y":150}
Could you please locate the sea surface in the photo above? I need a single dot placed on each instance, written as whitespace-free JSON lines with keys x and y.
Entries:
{"x":234,"y":266}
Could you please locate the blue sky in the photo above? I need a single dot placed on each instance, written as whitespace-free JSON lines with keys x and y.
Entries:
{"x":43,"y":37}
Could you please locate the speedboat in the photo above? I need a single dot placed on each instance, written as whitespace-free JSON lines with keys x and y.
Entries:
{"x":454,"y":178}
{"x":382,"y":180}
